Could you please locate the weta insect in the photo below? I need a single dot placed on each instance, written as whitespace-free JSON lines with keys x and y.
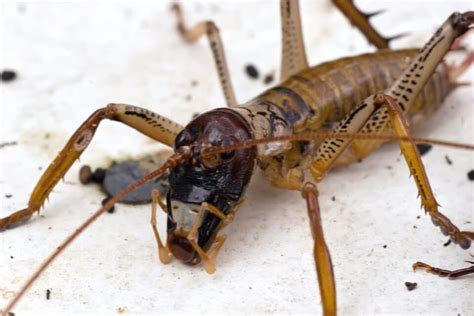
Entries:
{"x":210,"y":162}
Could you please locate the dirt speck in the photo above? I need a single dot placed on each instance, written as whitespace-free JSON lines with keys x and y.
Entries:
{"x":251,"y":71}
{"x":85,"y":174}
{"x":268,"y":78}
{"x":411,"y":285}
{"x":121,"y":310}
{"x":8,"y":75}
{"x":5,"y":144}
{"x":470,"y":175}
{"x":48,"y":294}
{"x":98,"y":175}
{"x":448,"y":160}
{"x":446,"y":244}
{"x":424,"y":148}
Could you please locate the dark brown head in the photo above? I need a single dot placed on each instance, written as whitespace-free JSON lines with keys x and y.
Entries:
{"x":218,"y":179}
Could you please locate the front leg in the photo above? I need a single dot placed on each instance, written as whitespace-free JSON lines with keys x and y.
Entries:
{"x":142,"y":120}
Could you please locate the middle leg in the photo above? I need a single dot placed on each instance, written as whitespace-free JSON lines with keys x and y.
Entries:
{"x":209,"y":28}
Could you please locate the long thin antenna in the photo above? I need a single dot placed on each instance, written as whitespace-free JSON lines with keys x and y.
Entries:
{"x":308,"y":136}
{"x":178,"y":157}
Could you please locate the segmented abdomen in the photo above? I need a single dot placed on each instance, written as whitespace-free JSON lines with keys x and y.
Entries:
{"x":327,"y":92}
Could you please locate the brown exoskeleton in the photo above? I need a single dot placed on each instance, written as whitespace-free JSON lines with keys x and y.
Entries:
{"x":292,"y":214}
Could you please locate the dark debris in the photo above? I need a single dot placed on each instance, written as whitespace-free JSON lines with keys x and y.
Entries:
{"x":98,"y":175}
{"x":85,"y":174}
{"x":8,"y":75}
{"x":424,"y":148}
{"x":470,"y":175}
{"x":268,"y":78}
{"x":448,"y":160}
{"x":411,"y":285}
{"x":5,"y":144}
{"x":251,"y":71}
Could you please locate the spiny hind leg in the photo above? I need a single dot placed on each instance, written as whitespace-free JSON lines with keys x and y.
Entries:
{"x":209,"y":28}
{"x":293,"y":54}
{"x":417,"y":170}
{"x":399,"y":97}
{"x":361,"y":21}
{"x":142,"y":120}
{"x":331,"y":149}
{"x":322,"y":256}
{"x":451,"y":274}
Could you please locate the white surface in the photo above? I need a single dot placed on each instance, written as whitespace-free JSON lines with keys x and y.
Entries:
{"x":73,"y":58}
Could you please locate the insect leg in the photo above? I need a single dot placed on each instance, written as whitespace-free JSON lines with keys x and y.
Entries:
{"x":361,"y":21}
{"x":209,"y":258}
{"x":322,"y":257}
{"x":412,"y":157}
{"x":293,"y":54}
{"x":209,"y":28}
{"x":451,"y":274}
{"x":163,"y":251}
{"x":398,"y":98}
{"x":144,"y":121}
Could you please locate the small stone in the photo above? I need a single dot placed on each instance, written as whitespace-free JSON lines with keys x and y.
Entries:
{"x":98,"y":175}
{"x":268,"y":79}
{"x":251,"y":71}
{"x":411,"y":285}
{"x":424,"y":148}
{"x":8,"y":75}
{"x":85,"y":174}
{"x":470,"y":175}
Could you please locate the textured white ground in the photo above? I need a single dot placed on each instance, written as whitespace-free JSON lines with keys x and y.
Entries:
{"x":74,"y":57}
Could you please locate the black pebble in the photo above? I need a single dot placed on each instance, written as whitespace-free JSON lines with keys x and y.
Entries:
{"x":448,"y":160}
{"x":424,"y":148}
{"x":98,"y":175}
{"x":251,"y":71}
{"x":122,"y":174}
{"x":8,"y":75}
{"x":470,"y":175}
{"x":411,"y":286}
{"x":268,"y":79}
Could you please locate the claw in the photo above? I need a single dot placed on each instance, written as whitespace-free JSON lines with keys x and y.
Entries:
{"x":372,"y":14}
{"x":395,"y":37}
{"x":16,"y":219}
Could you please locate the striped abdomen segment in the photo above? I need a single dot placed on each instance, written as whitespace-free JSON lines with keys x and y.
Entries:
{"x":327,"y":92}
